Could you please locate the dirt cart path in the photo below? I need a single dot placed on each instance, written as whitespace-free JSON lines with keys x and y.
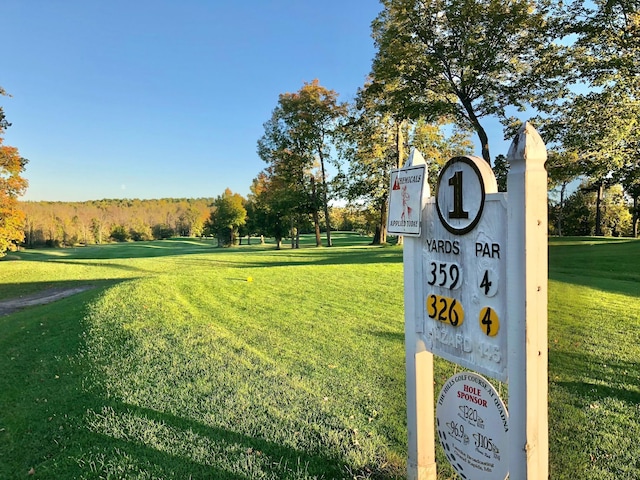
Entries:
{"x":39,"y":298}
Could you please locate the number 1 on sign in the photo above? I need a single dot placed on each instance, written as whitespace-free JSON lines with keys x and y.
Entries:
{"x":458,"y":210}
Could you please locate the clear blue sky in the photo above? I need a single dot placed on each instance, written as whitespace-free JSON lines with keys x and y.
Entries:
{"x":165,"y":98}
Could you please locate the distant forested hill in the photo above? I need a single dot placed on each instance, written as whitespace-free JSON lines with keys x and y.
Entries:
{"x":100,"y":221}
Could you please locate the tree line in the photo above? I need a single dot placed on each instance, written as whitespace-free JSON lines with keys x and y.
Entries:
{"x":102,"y":221}
{"x":441,"y":69}
{"x":229,"y":218}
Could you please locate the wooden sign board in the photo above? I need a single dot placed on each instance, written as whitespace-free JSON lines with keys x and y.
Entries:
{"x":476,"y":293}
{"x":464,"y":260}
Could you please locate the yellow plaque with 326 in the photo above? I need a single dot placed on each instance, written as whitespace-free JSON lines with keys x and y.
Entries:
{"x":445,"y":310}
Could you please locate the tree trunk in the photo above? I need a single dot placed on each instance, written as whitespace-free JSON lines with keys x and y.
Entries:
{"x":634,"y":218}
{"x":324,"y":197}
{"x":380,"y":237}
{"x":561,"y":210}
{"x":278,"y":243}
{"x":383,"y":224}
{"x":399,"y":144}
{"x":599,"y":191}
{"x":482,"y":134}
{"x":376,"y":236}
{"x":400,"y":153}
{"x":316,"y":217}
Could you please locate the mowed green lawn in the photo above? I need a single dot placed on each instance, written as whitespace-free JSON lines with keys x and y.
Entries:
{"x":189,"y":361}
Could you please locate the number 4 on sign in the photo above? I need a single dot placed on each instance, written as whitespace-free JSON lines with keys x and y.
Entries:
{"x":488,"y":282}
{"x":489,"y":321}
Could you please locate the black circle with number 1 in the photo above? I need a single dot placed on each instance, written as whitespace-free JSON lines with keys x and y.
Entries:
{"x":460,"y":195}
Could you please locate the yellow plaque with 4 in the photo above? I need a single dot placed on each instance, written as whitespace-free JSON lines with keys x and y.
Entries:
{"x":489,"y":321}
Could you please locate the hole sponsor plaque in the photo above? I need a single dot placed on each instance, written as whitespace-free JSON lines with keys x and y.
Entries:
{"x":472,"y":424}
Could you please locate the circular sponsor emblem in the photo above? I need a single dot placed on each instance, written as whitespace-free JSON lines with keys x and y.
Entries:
{"x":472,"y":424}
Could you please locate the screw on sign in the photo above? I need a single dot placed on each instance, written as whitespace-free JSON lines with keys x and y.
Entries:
{"x":472,"y":424}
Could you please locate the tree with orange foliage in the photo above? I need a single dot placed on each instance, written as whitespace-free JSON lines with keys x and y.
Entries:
{"x":12,"y":185}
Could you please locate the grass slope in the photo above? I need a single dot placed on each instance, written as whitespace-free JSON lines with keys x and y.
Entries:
{"x":177,"y":366}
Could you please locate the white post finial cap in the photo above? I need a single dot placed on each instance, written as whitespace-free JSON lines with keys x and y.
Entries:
{"x":528,"y":147}
{"x":415,"y":158}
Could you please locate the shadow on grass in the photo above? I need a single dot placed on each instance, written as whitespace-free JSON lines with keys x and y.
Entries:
{"x":11,"y":291}
{"x":137,"y":458}
{"x":47,"y":400}
{"x":115,"y":266}
{"x":601,"y":378}
{"x":611,"y":265}
{"x":247,"y":255}
{"x":284,"y":461}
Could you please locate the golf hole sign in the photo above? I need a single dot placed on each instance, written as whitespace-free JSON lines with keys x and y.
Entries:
{"x":472,"y":424}
{"x":464,"y":262}
{"x":475,"y":293}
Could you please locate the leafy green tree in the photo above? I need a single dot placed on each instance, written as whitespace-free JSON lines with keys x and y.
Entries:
{"x":3,"y":120}
{"x":296,"y":139}
{"x":579,"y":217}
{"x":288,"y":172}
{"x":580,"y":212}
{"x":139,"y":231}
{"x":563,"y":167}
{"x":120,"y":233}
{"x":162,"y":231}
{"x":228,"y":215}
{"x":438,"y":146}
{"x":600,"y":121}
{"x":373,"y":141}
{"x":630,"y":177}
{"x":268,"y":205}
{"x":190,"y":222}
{"x":616,"y":213}
{"x":466,"y":59}
{"x":599,"y":128}
{"x":501,"y":171}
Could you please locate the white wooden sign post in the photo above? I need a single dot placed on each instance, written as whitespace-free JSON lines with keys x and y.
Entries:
{"x":527,"y":262}
{"x":475,"y":272}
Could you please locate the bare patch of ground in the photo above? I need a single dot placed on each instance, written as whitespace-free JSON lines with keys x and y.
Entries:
{"x":39,"y":298}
